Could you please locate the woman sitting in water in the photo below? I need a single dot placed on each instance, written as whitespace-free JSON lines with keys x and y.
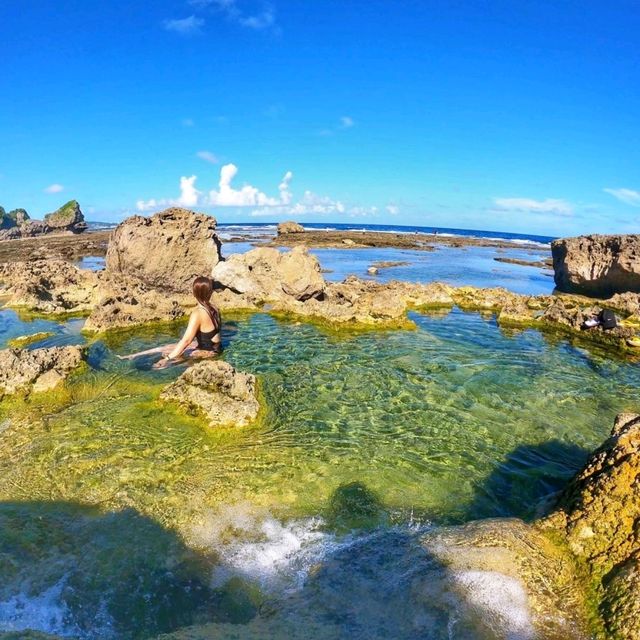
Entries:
{"x":204,"y":327}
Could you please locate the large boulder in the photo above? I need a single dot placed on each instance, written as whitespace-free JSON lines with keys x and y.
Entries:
{"x":32,"y":228}
{"x":38,"y":369}
{"x":599,"y":517}
{"x":289,"y":227}
{"x":267,"y":274}
{"x":49,"y":286}
{"x":165,"y":251}
{"x":597,"y":265}
{"x":214,"y":388}
{"x":68,"y":217}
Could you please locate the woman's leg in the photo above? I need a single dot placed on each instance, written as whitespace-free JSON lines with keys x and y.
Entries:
{"x":164,"y":349}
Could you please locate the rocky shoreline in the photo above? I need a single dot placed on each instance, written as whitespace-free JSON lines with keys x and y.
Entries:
{"x":150,"y":263}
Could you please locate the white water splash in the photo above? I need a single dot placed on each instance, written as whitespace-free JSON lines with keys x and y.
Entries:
{"x":43,"y":612}
{"x":500,"y":599}
{"x":256,"y":546}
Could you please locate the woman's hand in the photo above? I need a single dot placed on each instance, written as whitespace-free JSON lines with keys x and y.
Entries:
{"x":163,"y":363}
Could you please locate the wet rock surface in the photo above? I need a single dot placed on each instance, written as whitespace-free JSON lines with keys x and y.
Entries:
{"x":165,"y":251}
{"x":599,"y":517}
{"x":23,"y":370}
{"x":507,"y":562}
{"x":597,"y":265}
{"x":225,"y":397}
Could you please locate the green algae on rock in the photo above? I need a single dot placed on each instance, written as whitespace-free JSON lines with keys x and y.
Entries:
{"x":599,"y":516}
{"x":24,"y":341}
{"x":214,"y":388}
{"x":68,"y":217}
{"x":37,"y":370}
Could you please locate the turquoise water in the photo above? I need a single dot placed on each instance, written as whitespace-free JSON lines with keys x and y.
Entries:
{"x":122,"y":517}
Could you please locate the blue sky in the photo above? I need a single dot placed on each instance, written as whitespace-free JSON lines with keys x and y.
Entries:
{"x":506,"y":115}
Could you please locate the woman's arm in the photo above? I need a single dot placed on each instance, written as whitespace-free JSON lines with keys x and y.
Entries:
{"x":187,"y":338}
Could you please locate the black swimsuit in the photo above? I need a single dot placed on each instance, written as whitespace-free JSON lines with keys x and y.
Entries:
{"x":205,"y":338}
{"x":206,"y":343}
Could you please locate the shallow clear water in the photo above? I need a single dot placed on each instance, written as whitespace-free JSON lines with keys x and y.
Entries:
{"x":368,"y":440}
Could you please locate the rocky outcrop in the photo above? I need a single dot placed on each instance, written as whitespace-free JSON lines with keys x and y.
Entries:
{"x":225,"y":397}
{"x":68,"y":217}
{"x":289,"y":227}
{"x":17,"y":223}
{"x":165,"y":251}
{"x":49,"y":286}
{"x":266,"y":275}
{"x":597,"y":265}
{"x":364,"y":302}
{"x":125,"y":303}
{"x":599,"y":516}
{"x":37,"y":370}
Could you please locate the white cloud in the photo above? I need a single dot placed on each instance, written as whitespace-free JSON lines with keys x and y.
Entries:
{"x":189,"y":197}
{"x":207,"y":156}
{"x":185,"y":26}
{"x":247,"y":196}
{"x":310,"y":203}
{"x":54,"y":188}
{"x":346,"y":122}
{"x":628,"y":196}
{"x":528,"y":205}
{"x":393,"y":209}
{"x":283,"y":187}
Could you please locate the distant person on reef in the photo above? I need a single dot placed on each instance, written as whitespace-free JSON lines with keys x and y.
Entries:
{"x":203,"y":328}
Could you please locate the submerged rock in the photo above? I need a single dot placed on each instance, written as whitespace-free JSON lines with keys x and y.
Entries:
{"x":49,"y":286}
{"x":514,"y":575}
{"x":38,"y":369}
{"x":166,"y":251}
{"x":289,"y":226}
{"x":597,"y":265}
{"x":214,"y":388}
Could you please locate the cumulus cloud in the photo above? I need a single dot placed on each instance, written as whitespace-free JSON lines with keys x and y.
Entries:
{"x":247,"y":196}
{"x":346,"y":122}
{"x":207,"y":156}
{"x":226,"y":195}
{"x":628,"y":196}
{"x":283,"y":187}
{"x":189,"y":197}
{"x":309,"y":203}
{"x":54,"y":188}
{"x":529,"y":205}
{"x":184,"y":26}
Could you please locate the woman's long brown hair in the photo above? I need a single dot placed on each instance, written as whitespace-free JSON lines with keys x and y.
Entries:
{"x":202,"y":290}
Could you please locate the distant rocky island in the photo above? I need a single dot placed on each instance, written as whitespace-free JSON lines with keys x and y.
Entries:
{"x":18,"y":224}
